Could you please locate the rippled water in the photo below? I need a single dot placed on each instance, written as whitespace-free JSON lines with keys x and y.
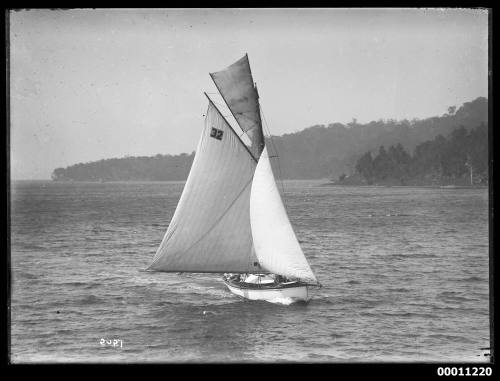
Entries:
{"x":404,"y":270}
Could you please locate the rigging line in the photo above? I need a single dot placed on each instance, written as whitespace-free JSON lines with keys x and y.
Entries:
{"x":273,"y":145}
{"x":281,"y":182}
{"x":277,"y":157}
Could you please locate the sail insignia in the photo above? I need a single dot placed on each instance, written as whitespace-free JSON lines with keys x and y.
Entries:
{"x":216,"y":133}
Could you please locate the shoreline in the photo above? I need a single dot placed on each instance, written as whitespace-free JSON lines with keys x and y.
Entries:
{"x":322,"y":182}
{"x":409,"y":186}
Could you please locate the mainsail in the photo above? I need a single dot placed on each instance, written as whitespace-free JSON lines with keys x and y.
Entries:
{"x":236,"y":86}
{"x":276,"y":245}
{"x":210,"y":229}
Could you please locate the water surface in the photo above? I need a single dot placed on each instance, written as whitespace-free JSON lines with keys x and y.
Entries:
{"x":404,"y":270}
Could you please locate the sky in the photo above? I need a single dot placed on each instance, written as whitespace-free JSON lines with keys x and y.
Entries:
{"x":87,"y":85}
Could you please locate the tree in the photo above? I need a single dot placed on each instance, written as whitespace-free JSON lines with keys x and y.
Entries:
{"x":462,"y":154}
{"x":382,"y":164}
{"x":364,"y":167}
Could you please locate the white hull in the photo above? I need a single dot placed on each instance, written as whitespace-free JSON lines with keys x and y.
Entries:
{"x":296,"y":294}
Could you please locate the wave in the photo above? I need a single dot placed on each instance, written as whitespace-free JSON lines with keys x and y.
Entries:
{"x":399,"y":289}
{"x":90,"y":299}
{"x":454,"y":338}
{"x":353,"y":282}
{"x":25,"y":275}
{"x":453,"y":296}
{"x":208,"y":313}
{"x":474,"y":279}
{"x":424,"y":256}
{"x":86,"y":285}
{"x":410,"y":314}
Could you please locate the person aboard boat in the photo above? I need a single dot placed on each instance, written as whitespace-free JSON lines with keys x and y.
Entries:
{"x":233,"y":277}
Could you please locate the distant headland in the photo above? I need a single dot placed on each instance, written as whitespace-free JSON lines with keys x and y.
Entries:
{"x":451,"y":149}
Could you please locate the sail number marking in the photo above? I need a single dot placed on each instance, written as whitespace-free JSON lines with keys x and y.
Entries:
{"x":216,"y":133}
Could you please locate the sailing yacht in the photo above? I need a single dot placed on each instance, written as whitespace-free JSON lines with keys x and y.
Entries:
{"x":230,"y":218}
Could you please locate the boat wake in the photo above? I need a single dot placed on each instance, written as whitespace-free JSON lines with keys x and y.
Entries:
{"x":285,"y":301}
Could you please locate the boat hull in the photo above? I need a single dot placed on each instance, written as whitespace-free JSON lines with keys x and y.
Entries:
{"x":298,"y":293}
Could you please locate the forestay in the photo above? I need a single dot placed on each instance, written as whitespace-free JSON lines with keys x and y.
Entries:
{"x":235,"y":84}
{"x":276,"y":245}
{"x":210,"y":229}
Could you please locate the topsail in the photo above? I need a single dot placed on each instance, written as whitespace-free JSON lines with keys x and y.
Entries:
{"x":236,"y":86}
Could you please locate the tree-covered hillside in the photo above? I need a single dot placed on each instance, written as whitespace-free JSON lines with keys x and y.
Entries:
{"x":328,"y":152}
{"x":461,"y":158}
{"x":144,"y":168}
{"x":315,"y":152}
